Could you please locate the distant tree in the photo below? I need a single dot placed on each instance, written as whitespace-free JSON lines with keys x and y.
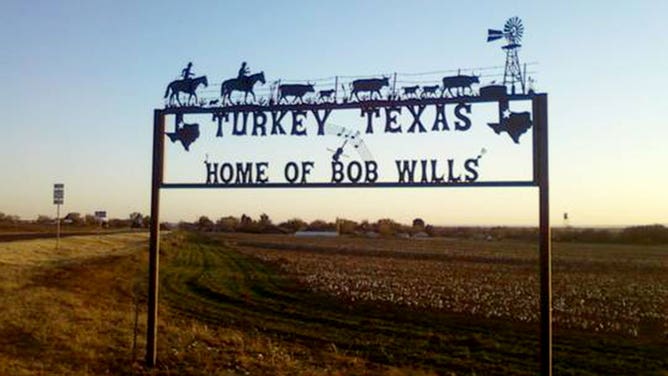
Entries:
{"x":204,"y":223}
{"x":118,"y":223}
{"x":75,"y":218}
{"x":418,"y":224}
{"x":227,"y":224}
{"x":264,"y":220}
{"x":5,"y":218}
{"x":347,"y":226}
{"x":320,"y":225}
{"x":247,"y":224}
{"x":387,"y":226}
{"x":652,"y":234}
{"x":90,"y":219}
{"x":246,"y":220}
{"x":184,"y":225}
{"x":294,"y":225}
{"x":365,"y":226}
{"x":592,"y":235}
{"x":44,"y":219}
{"x":136,"y":220}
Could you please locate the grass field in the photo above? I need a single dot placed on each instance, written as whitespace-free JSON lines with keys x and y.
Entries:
{"x":240,"y":304}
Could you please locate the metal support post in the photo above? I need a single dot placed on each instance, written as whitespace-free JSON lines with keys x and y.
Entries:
{"x":541,"y":176}
{"x":154,"y":243}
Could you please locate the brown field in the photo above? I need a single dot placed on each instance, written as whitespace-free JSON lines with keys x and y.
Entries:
{"x":278,"y":305}
{"x":608,"y":288}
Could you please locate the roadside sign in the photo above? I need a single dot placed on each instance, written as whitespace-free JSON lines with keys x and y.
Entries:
{"x":58,"y":194}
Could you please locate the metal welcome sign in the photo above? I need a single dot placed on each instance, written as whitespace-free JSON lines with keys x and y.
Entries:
{"x":374,"y":131}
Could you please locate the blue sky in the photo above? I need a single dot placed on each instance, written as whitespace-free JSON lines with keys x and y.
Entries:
{"x":81,"y":79}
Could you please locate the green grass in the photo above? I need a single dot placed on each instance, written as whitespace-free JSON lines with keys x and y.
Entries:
{"x":205,"y":278}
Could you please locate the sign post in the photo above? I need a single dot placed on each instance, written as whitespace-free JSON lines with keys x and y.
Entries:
{"x":541,"y":175}
{"x":58,"y":199}
{"x":154,"y":242}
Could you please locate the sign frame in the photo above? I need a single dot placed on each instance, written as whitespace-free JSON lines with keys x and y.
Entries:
{"x":540,"y":180}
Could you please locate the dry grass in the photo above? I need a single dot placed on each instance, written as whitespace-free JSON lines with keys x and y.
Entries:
{"x":72,"y":312}
{"x":43,"y":251}
{"x":68,"y":311}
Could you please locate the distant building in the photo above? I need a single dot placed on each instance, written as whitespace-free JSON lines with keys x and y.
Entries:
{"x":330,"y":234}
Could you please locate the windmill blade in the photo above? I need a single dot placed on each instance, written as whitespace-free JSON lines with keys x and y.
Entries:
{"x":493,"y":35}
{"x":513,"y":30}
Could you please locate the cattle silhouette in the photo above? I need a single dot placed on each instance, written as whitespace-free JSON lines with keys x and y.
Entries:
{"x":411,"y":91}
{"x":460,"y":83}
{"x":370,"y":85}
{"x":326,"y":95}
{"x":294,"y":90}
{"x":430,"y":91}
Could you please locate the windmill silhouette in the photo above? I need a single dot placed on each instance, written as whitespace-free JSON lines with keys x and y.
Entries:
{"x":512,"y":31}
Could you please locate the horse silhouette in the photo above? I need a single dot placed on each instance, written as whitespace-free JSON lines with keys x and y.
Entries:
{"x":241,"y":84}
{"x":188,"y":86}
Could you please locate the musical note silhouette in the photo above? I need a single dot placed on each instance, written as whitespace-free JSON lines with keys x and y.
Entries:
{"x":356,"y":140}
{"x":482,"y":152}
{"x":339,"y":151}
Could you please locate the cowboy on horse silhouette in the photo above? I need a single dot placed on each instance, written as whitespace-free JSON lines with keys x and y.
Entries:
{"x":188,"y":85}
{"x":244,"y":71}
{"x":244,"y":82}
{"x":186,"y":73}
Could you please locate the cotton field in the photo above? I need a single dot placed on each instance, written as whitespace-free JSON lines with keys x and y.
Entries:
{"x":617,"y":289}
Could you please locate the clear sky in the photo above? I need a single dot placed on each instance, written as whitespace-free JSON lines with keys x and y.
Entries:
{"x":80,"y":80}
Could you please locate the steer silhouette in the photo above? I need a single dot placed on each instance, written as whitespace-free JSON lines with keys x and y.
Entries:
{"x":371,"y":85}
{"x":294,"y":90}
{"x":459,"y":82}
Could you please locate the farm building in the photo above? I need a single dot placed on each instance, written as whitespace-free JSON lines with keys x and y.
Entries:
{"x":316,"y":233}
